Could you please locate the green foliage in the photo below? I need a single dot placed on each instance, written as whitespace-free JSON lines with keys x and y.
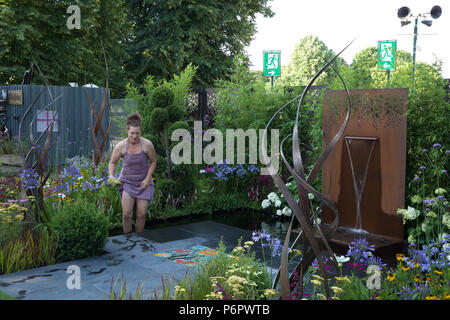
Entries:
{"x":178,"y":125}
{"x":4,"y":296}
{"x":428,"y":216}
{"x":37,"y":31}
{"x":27,"y":251}
{"x":162,"y":97}
{"x":227,"y":276}
{"x":82,"y":230}
{"x":309,"y":56}
{"x":168,"y":35}
{"x":159,"y":118}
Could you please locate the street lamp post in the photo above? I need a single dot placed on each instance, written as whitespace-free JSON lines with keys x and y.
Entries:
{"x":404,"y":13}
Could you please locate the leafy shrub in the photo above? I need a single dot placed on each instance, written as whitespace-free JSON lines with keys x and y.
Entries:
{"x":82,"y":230}
{"x":162,"y":97}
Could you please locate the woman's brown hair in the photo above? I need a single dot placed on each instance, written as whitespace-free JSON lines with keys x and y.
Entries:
{"x":134,"y":120}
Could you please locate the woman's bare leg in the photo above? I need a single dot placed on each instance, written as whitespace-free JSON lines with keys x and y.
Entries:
{"x":141,"y":210}
{"x":127,"y":211}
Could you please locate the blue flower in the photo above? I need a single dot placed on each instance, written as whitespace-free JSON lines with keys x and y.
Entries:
{"x":31,"y":178}
{"x":436,"y":145}
{"x":422,"y":167}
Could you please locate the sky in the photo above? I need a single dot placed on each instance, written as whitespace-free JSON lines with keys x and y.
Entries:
{"x":338,"y":22}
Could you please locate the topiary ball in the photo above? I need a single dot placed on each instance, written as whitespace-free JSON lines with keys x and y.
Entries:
{"x":162,"y":97}
{"x":159,"y":117}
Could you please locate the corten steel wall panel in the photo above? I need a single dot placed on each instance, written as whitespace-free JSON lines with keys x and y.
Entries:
{"x":377,"y":113}
{"x":74,"y":118}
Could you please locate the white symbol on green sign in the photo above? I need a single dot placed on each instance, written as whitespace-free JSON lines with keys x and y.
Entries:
{"x":386,"y":55}
{"x":272,"y":64}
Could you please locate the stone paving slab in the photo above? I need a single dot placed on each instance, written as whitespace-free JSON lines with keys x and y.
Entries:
{"x":130,"y":258}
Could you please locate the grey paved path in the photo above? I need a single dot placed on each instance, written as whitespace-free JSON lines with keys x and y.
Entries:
{"x":129,"y":257}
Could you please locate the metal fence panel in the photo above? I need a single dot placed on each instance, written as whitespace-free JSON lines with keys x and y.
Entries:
{"x":73,"y":134}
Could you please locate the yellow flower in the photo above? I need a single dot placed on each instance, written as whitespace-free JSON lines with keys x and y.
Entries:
{"x":318,"y":277}
{"x":337,"y":289}
{"x":316,"y":282}
{"x":321,"y":296}
{"x":432,"y":298}
{"x":270,"y":292}
{"x":237,"y":249}
{"x":417,"y":278}
{"x":391,"y":277}
{"x":249,"y":243}
{"x":296,"y":252}
{"x":335,"y":298}
{"x":438,"y":272}
{"x":343,"y":279}
{"x":400,"y":257}
{"x":446,"y":296}
{"x":405,"y":268}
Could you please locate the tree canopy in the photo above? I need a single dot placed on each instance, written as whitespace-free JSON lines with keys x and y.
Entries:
{"x":36,"y":31}
{"x":168,"y":35}
{"x":310,"y":54}
{"x":141,"y":38}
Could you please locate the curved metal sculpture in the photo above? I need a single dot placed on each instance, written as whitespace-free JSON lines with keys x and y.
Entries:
{"x":301,"y":208}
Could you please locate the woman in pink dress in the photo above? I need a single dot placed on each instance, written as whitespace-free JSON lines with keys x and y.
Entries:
{"x":136,"y":188}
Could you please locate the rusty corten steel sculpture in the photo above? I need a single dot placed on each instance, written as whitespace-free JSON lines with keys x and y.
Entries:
{"x":366,"y":177}
{"x":40,"y":162}
{"x":98,"y":152}
{"x":301,"y":208}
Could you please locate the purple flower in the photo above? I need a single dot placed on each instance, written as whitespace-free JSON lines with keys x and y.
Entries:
{"x":441,"y":197}
{"x":447,"y":152}
{"x":416,"y":178}
{"x":422,"y":167}
{"x":436,"y":145}
{"x":444,"y":171}
{"x":428,"y":202}
{"x":359,"y":250}
{"x":424,"y":150}
{"x":31,"y":178}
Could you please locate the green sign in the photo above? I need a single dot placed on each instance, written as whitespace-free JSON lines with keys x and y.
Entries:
{"x":386,"y":55}
{"x":272,"y":63}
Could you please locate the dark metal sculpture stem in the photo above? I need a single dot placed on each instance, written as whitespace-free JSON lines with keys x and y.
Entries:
{"x":311,"y":247}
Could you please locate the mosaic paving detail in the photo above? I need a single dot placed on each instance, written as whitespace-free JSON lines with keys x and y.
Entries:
{"x":188,"y":257}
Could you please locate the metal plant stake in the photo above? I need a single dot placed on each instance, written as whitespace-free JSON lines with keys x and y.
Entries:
{"x":98,"y":152}
{"x":40,"y":163}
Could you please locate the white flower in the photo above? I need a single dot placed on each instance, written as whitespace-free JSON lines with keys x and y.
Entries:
{"x":288,"y":185}
{"x":310,"y":196}
{"x":341,"y":259}
{"x":279,"y":212}
{"x":409,"y":214}
{"x":277,"y":203}
{"x":446,"y":220}
{"x":317,"y":221}
{"x":265,"y":203}
{"x":202,"y":171}
{"x":273,"y":197}
{"x":424,"y":226}
{"x":287,"y":211}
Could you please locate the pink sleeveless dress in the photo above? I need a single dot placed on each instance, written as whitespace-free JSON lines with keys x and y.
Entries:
{"x":134,"y":170}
